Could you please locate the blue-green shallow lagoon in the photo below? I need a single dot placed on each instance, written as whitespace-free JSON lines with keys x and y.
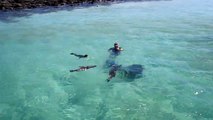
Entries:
{"x":173,"y":40}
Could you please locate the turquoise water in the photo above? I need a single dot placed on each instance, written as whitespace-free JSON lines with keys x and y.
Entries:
{"x":173,"y":40}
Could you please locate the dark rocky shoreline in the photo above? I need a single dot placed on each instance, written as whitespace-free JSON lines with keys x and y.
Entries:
{"x":23,"y":4}
{"x":6,"y":5}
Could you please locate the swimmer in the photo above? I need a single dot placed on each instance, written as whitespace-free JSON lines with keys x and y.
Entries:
{"x":112,"y":71}
{"x":79,"y":56}
{"x":83,"y":68}
{"x":116,"y":49}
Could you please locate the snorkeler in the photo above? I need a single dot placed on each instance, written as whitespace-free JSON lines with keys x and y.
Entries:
{"x":79,"y":56}
{"x":83,"y":68}
{"x":112,"y":71}
{"x":116,"y":49}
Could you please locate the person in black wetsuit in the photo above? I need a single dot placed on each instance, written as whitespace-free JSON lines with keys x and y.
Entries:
{"x":112,"y":71}
{"x":115,"y":50}
{"x":79,"y":56}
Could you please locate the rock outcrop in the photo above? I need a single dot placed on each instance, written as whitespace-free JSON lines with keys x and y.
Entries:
{"x":21,"y":4}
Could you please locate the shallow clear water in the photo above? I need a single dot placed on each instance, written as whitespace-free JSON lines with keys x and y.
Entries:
{"x":172,"y":39}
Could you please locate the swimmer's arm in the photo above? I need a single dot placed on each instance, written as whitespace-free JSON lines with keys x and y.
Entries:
{"x":110,"y":49}
{"x":121,"y":49}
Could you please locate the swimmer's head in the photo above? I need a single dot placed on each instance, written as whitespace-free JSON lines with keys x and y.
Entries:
{"x":116,"y":44}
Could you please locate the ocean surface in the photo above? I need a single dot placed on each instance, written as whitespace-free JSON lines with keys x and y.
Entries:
{"x":173,"y":40}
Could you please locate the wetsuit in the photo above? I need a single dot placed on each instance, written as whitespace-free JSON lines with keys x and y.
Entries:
{"x":114,"y":51}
